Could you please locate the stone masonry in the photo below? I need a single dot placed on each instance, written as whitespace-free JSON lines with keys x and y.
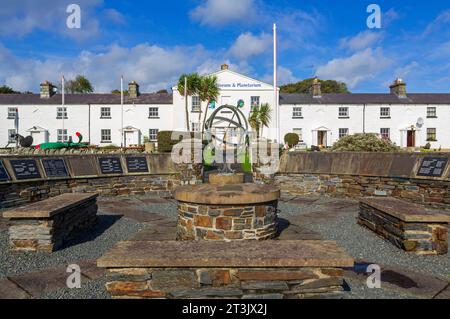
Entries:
{"x":407,"y":226}
{"x":47,"y":225}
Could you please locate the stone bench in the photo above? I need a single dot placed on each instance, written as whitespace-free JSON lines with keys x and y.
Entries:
{"x":241,"y":269}
{"x":46,"y":225}
{"x":411,"y":227}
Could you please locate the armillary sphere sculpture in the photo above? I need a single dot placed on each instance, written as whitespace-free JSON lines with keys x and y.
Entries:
{"x":236,"y":122}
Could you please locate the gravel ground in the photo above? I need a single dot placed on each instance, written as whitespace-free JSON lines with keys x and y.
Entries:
{"x":89,"y":246}
{"x":362,"y":244}
{"x":94,"y":289}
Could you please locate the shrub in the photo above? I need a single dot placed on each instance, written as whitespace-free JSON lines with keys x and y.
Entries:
{"x":364,"y":143}
{"x":165,"y":142}
{"x":427,"y":146}
{"x":291,"y":139}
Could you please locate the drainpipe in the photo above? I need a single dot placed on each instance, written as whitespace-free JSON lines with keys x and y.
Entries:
{"x":364,"y":118}
{"x":89,"y":123}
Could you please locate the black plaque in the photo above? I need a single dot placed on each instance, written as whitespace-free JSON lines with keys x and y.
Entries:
{"x":4,"y":176}
{"x":55,"y":168}
{"x":25,"y":169}
{"x":110,"y":165}
{"x":137,"y":164}
{"x":432,"y":167}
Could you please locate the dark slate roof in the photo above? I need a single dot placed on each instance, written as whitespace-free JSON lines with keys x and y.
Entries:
{"x":35,"y":99}
{"x":365,"y":98}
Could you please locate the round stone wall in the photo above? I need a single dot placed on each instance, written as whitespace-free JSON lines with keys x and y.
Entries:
{"x":227,"y":222}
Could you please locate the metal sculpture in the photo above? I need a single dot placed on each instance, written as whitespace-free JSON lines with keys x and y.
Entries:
{"x":60,"y":145}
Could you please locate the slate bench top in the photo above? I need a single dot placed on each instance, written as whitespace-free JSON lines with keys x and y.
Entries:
{"x":406,"y":211}
{"x":49,"y":207}
{"x":207,"y":254}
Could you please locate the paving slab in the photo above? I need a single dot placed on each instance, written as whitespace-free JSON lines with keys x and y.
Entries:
{"x":445,"y":294}
{"x":9,"y":290}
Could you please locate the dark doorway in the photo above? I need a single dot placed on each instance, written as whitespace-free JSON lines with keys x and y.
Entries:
{"x":411,"y":139}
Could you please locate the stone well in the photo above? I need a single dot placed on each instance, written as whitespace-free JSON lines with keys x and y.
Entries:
{"x":227,"y":212}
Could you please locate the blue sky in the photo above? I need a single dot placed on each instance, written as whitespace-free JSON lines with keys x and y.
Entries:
{"x":153,"y":42}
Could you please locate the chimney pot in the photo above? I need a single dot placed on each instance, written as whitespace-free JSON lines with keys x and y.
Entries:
{"x":316,"y":88}
{"x":133,"y":89}
{"x":47,"y":90}
{"x":224,"y":66}
{"x":398,"y":88}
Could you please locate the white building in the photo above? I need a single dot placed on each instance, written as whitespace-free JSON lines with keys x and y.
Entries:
{"x":409,"y":120}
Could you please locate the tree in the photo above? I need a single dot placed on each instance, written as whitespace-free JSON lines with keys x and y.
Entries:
{"x":367,"y":142}
{"x":259,"y":117}
{"x":208,"y":92}
{"x":116,"y":91}
{"x":7,"y":90}
{"x":327,"y":86}
{"x":80,"y":85}
{"x":192,"y":81}
{"x":163,"y":91}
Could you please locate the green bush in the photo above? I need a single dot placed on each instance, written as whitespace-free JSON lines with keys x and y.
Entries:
{"x":165,"y":142}
{"x":427,"y":146}
{"x":291,"y":139}
{"x":364,"y":143}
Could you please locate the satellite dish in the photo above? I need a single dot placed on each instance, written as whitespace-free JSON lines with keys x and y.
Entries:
{"x":420,"y":122}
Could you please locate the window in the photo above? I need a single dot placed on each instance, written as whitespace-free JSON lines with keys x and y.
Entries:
{"x":297,"y":112}
{"x":254,"y":101}
{"x":106,"y":136}
{"x":12,"y":111}
{"x":431,"y":112}
{"x":343,"y":132}
{"x":153,"y":134}
{"x":195,"y":127}
{"x":60,"y":112}
{"x":385,"y":112}
{"x":105,"y":113}
{"x":299,"y":132}
{"x":343,"y":112}
{"x":62,"y":135}
{"x":12,"y":136}
{"x":153,"y":112}
{"x":196,"y":104}
{"x":385,"y":133}
{"x":431,"y":135}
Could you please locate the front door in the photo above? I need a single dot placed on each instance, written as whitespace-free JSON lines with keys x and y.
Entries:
{"x":322,"y":138}
{"x":129,"y":139}
{"x":411,"y":139}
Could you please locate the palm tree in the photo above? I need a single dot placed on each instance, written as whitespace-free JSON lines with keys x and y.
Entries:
{"x":209,"y":91}
{"x":192,"y":82}
{"x":259,"y":117}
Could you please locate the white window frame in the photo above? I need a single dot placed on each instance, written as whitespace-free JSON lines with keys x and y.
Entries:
{"x":153,"y":132}
{"x":11,"y":134}
{"x":60,"y":112}
{"x":255,"y":101}
{"x":297,"y":112}
{"x":344,"y":112}
{"x":431,"y":112}
{"x":62,"y":136}
{"x":104,"y":134}
{"x":384,"y":114}
{"x":434,"y":133}
{"x":196,"y":104}
{"x":342,"y":132}
{"x":153,"y":112}
{"x":12,"y":112}
{"x":105,"y":112}
{"x":385,"y":133}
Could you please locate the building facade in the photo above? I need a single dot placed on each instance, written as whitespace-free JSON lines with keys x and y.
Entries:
{"x":409,"y":120}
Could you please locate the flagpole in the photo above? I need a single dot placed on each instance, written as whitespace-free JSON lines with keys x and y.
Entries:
{"x":121,"y":105}
{"x":275,"y":80}
{"x":16,"y":126}
{"x":63,"y":103}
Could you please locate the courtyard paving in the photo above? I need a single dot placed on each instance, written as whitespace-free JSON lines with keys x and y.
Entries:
{"x":35,"y":275}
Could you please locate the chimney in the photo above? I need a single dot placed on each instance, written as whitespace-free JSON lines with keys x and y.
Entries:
{"x":316,"y":88}
{"x":398,"y":88}
{"x":47,"y":90}
{"x":133,"y":89}
{"x":224,"y":66}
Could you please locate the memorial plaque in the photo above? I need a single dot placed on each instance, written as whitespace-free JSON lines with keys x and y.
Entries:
{"x":82,"y":166}
{"x":137,"y":164}
{"x":55,"y":168}
{"x":432,"y":167}
{"x":4,"y":176}
{"x":25,"y":169}
{"x":110,"y":165}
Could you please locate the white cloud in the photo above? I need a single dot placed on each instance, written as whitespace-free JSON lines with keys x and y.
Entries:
{"x":362,"y":40}
{"x":361,"y":66}
{"x":222,"y":12}
{"x":248,"y":45}
{"x":284,"y":75}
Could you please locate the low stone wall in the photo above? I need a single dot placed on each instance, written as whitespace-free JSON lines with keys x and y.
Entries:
{"x":435,"y":193}
{"x":47,"y":227}
{"x":15,"y":194}
{"x":236,"y":283}
{"x":227,"y":222}
{"x":407,"y":226}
